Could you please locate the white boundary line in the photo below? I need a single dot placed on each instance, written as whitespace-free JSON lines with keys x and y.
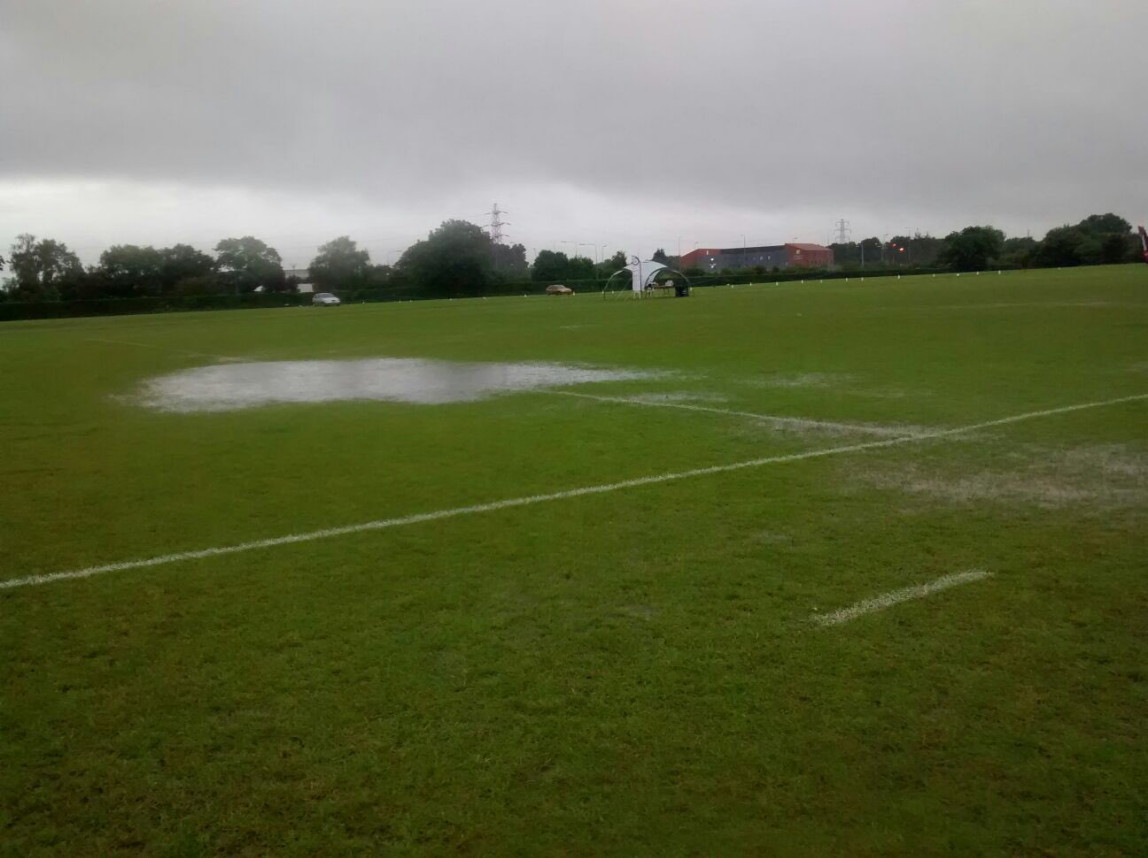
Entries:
{"x":886,"y":600}
{"x":418,"y":518}
{"x":803,"y":422}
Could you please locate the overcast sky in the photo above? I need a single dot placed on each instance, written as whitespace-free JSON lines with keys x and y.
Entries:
{"x":632,"y":123}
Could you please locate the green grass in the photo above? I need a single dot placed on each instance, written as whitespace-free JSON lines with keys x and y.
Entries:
{"x":631,"y":672}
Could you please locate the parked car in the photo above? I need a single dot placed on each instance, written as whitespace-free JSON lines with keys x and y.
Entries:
{"x":325,"y":299}
{"x":559,"y":289}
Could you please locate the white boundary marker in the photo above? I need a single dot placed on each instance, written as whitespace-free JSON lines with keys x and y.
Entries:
{"x":886,"y":600}
{"x":418,"y":518}
{"x":803,"y":422}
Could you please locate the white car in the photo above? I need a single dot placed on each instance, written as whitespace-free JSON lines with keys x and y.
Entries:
{"x":325,"y":299}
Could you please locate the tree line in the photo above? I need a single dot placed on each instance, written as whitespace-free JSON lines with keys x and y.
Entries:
{"x":458,"y":259}
{"x":1105,"y":239}
{"x":46,"y":270}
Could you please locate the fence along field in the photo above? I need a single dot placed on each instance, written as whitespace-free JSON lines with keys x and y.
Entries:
{"x":531,"y":621}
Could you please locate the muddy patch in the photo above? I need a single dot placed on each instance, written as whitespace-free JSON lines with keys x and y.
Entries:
{"x":230,"y":387}
{"x":802,"y":427}
{"x":1101,"y":477}
{"x":838,"y":382}
{"x":803,"y":379}
{"x":1110,"y":461}
{"x":756,"y":422}
{"x":678,"y":397}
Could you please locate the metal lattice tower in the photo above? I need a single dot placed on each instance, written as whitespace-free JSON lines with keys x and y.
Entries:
{"x":842,"y":231}
{"x":496,"y":224}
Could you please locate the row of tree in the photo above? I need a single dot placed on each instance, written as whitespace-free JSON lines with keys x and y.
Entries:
{"x":459,"y":259}
{"x":1105,"y":239}
{"x":46,"y":270}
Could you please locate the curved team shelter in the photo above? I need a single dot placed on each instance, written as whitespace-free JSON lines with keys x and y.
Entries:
{"x":650,"y":277}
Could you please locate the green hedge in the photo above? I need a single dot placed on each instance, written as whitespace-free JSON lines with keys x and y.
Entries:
{"x":17,"y":310}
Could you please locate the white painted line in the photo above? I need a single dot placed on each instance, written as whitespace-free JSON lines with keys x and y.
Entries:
{"x":897,"y":596}
{"x":418,"y":518}
{"x":802,"y":422}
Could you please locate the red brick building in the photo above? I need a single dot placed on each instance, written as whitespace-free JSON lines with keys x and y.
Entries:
{"x":809,"y":255}
{"x":792,"y":255}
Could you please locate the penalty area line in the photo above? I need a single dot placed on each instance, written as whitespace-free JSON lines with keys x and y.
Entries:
{"x":510,"y":503}
{"x":777,"y":420}
{"x":887,"y":600}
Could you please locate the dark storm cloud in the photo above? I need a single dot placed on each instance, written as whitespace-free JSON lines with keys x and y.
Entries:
{"x":1018,"y":111}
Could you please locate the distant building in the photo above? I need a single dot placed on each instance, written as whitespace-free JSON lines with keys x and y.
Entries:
{"x":303,"y":276}
{"x":771,"y":256}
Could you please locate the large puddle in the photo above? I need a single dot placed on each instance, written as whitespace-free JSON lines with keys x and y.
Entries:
{"x":228,"y":387}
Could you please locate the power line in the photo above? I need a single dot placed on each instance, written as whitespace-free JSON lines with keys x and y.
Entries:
{"x":842,"y":232}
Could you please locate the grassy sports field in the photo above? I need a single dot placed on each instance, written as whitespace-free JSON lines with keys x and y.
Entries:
{"x":702,"y":663}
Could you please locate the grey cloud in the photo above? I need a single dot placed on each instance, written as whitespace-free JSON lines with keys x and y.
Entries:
{"x":1026,"y":111}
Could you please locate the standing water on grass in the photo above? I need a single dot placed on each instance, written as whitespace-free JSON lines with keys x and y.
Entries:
{"x":427,"y":382}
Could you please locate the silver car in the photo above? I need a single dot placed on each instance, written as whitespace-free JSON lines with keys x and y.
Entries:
{"x":325,"y":299}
